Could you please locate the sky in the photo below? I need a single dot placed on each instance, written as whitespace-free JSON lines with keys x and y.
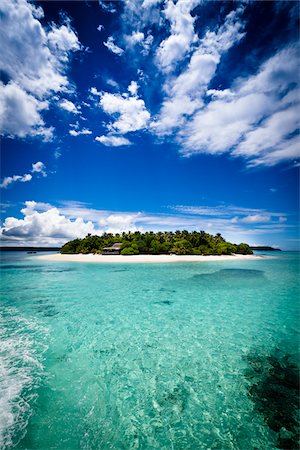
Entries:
{"x":149,"y":115}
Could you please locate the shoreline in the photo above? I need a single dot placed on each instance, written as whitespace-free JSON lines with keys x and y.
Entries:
{"x":121,"y":259}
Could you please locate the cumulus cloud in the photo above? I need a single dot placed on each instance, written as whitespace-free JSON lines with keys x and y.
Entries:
{"x":131,"y":111}
{"x":9,"y":180}
{"x":185,"y":93}
{"x":69,"y":106}
{"x":175,"y":47}
{"x":255,"y":118}
{"x":147,"y":44}
{"x":112,"y":47}
{"x":117,"y":223}
{"x":258,"y":121}
{"x":34,"y":62}
{"x":44,"y":224}
{"x":139,"y":38}
{"x":49,"y":224}
{"x":94,"y":91}
{"x":76,"y":133}
{"x":39,"y":167}
{"x":113,"y":141}
{"x":133,"y":88}
{"x":135,"y":38}
{"x":20,"y":113}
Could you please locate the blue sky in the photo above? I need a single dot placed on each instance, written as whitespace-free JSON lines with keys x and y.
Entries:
{"x":149,"y":115}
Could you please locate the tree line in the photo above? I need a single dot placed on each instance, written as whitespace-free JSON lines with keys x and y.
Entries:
{"x":178,"y":242}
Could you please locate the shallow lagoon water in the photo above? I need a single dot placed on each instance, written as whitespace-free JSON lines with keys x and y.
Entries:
{"x":148,"y":356}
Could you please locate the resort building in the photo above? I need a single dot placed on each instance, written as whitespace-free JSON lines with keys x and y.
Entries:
{"x":113,"y":250}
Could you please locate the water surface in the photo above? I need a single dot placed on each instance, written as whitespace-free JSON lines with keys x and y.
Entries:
{"x":149,"y":356}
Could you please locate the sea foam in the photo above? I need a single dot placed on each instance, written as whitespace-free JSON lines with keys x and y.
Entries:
{"x":21,"y":369}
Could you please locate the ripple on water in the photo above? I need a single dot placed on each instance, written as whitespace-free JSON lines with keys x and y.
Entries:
{"x":150,"y":358}
{"x":21,"y":368}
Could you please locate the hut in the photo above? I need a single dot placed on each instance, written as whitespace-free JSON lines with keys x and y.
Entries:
{"x":115,"y":249}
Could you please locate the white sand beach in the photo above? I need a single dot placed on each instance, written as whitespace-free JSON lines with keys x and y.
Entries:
{"x":117,"y":259}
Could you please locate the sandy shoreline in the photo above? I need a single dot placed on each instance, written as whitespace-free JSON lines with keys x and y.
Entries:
{"x":112,"y":259}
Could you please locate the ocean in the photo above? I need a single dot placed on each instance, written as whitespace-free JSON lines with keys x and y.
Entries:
{"x":149,"y":356}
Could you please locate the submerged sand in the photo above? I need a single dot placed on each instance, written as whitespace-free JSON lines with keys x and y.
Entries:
{"x":143,"y":258}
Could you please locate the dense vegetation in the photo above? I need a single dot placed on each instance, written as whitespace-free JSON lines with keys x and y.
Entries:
{"x":179,"y":242}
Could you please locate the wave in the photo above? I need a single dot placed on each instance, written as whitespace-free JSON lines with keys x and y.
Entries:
{"x":21,"y":373}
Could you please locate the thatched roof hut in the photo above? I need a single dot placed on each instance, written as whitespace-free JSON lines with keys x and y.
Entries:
{"x":115,"y":249}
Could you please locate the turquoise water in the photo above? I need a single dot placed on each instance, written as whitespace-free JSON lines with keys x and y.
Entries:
{"x":148,"y":356}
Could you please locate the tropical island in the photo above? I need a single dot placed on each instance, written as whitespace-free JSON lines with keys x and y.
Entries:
{"x":159,"y":243}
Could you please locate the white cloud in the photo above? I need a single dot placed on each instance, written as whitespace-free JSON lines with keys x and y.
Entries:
{"x":76,"y":133}
{"x":150,"y":3}
{"x":133,"y":88}
{"x":107,"y":6}
{"x":147,"y":44}
{"x":282,"y":219}
{"x":185,"y":92}
{"x":135,"y":38}
{"x":215,"y":93}
{"x":113,"y":47}
{"x":69,"y":106}
{"x":49,"y":224}
{"x":256,"y":121}
{"x":100,"y":27}
{"x":44,"y":224}
{"x":20,"y":113}
{"x":117,"y":223}
{"x":34,"y":61}
{"x":131,"y":111}
{"x":178,"y":44}
{"x":288,"y":150}
{"x":112,"y":83}
{"x":61,"y":40}
{"x":220,"y":210}
{"x":218,"y":127}
{"x":233,"y":213}
{"x":39,"y":167}
{"x":113,"y":141}
{"x":139,"y":38}
{"x":9,"y":180}
{"x":256,"y":218}
{"x":94,"y":91}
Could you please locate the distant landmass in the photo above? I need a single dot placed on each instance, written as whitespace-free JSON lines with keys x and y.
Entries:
{"x":266,"y":248}
{"x":29,"y":249}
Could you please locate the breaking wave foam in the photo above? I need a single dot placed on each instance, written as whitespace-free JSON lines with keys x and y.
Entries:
{"x":21,"y":370}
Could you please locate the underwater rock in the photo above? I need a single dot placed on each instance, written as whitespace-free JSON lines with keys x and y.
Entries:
{"x":164,"y":302}
{"x":275,"y":393}
{"x":239,"y":278}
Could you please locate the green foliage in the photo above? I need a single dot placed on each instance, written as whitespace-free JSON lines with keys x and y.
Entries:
{"x":244,"y":249}
{"x":132,"y":250}
{"x":179,"y":242}
{"x":182,"y":247}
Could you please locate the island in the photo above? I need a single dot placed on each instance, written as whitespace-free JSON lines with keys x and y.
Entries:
{"x":159,"y":243}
